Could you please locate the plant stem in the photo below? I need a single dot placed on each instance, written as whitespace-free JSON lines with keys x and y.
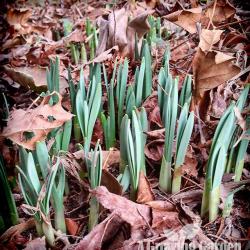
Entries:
{"x":214,"y":201}
{"x":176,"y":183}
{"x":165,"y":175}
{"x":93,"y":213}
{"x":77,"y":129}
{"x":39,"y":228}
{"x":48,"y":232}
{"x":59,"y":217}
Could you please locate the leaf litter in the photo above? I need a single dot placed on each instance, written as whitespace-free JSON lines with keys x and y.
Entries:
{"x":206,"y":44}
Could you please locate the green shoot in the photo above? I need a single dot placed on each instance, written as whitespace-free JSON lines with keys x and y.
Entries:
{"x":87,"y":108}
{"x":36,"y":196}
{"x":122,"y":77}
{"x":8,"y":210}
{"x":147,"y":85}
{"x":184,"y":132}
{"x":108,"y":123}
{"x":186,"y":92}
{"x":95,"y":174}
{"x":134,"y":143}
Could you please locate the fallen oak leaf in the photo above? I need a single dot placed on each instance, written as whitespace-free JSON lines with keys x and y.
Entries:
{"x":32,"y":78}
{"x":105,"y":55}
{"x":222,"y":11}
{"x":72,"y":226}
{"x":208,"y":38}
{"x":110,"y":182}
{"x":101,"y":233}
{"x":136,"y":215}
{"x":186,"y":19}
{"x":17,"y":229}
{"x":18,"y":17}
{"x":35,"y":123}
{"x":208,"y":74}
{"x":144,"y":193}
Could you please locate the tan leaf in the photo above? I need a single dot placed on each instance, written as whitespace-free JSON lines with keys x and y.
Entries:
{"x":32,"y":77}
{"x":186,"y":19}
{"x":120,"y":27}
{"x":208,"y":74}
{"x":103,"y":232}
{"x":222,"y":11}
{"x":208,"y":38}
{"x":39,"y":121}
{"x":163,"y":220}
{"x":111,"y":183}
{"x":36,"y":244}
{"x":137,"y":215}
{"x":105,"y":55}
{"x":144,"y":193}
{"x":161,"y":205}
{"x":18,"y":17}
{"x":72,"y":226}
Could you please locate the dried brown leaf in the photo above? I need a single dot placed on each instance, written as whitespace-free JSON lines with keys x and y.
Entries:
{"x":136,"y":215}
{"x":110,"y":182}
{"x":208,"y":38}
{"x":72,"y":226}
{"x":186,"y":19}
{"x":222,"y":11}
{"x":144,"y":193}
{"x":32,"y":77}
{"x":40,"y":121}
{"x":208,"y":74}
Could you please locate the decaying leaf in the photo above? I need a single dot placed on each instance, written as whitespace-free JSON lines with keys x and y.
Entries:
{"x":186,"y":19}
{"x":103,"y":232}
{"x":72,"y":226}
{"x":110,"y":182}
{"x":109,"y":157}
{"x":222,"y":11}
{"x":154,"y":150}
{"x":208,"y":74}
{"x":136,"y":215}
{"x":18,"y":17}
{"x":32,"y":77}
{"x":144,"y":193}
{"x":36,"y":244}
{"x":105,"y":55}
{"x":26,"y":127}
{"x":120,"y":27}
{"x":208,"y":38}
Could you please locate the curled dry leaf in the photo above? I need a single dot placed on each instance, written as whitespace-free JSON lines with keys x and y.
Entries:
{"x":32,"y":77}
{"x":17,"y":229}
{"x":136,"y":215}
{"x":109,"y":157}
{"x":221,"y":13}
{"x":186,"y":19}
{"x":154,"y":150}
{"x":144,"y":193}
{"x":72,"y":226}
{"x":36,"y":244}
{"x":120,"y":27}
{"x":103,"y":232}
{"x":208,"y":74}
{"x":18,"y":17}
{"x":161,"y":205}
{"x":208,"y":38}
{"x":38,"y":122}
{"x":110,"y":182}
{"x":105,"y":55}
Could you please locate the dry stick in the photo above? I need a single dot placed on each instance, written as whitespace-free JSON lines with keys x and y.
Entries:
{"x":211,"y":19}
{"x":232,"y":23}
